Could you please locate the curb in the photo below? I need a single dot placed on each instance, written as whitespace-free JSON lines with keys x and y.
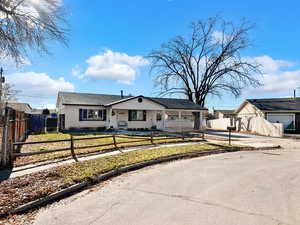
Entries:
{"x":118,"y":171}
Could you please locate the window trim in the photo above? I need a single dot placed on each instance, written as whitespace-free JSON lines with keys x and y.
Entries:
{"x":144,"y":115}
{"x":83,"y":112}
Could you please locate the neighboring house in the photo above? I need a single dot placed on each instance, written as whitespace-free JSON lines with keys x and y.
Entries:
{"x":40,"y":111}
{"x":23,"y":107}
{"x":223,"y":113}
{"x":275,"y":110}
{"x":81,"y":110}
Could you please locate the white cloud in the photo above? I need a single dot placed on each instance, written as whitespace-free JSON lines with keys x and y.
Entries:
{"x":279,"y":82}
{"x":36,"y":8}
{"x":9,"y":63}
{"x":279,"y":76}
{"x":38,"y":88}
{"x":217,"y":37}
{"x":270,"y":65}
{"x":111,"y":65}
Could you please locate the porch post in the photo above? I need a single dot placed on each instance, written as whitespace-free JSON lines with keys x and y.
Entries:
{"x":108,"y":117}
{"x":163,"y":115}
{"x":201,"y":120}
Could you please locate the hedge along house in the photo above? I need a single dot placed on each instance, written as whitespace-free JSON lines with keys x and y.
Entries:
{"x":81,"y":110}
{"x":275,"y":110}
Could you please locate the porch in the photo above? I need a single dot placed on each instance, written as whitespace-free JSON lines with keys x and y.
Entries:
{"x":150,"y":119}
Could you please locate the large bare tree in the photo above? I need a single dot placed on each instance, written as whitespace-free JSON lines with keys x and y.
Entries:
{"x":28,"y":24}
{"x":208,"y":62}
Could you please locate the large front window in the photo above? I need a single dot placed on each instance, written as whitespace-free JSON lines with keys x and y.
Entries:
{"x":92,"y":114}
{"x":137,"y":115}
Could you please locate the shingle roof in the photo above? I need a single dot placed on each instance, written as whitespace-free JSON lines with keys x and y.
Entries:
{"x":276,"y":104}
{"x":224,"y":111}
{"x":176,"y":103}
{"x":24,"y":107}
{"x":71,"y":98}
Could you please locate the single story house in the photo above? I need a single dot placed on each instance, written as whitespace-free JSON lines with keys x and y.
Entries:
{"x":275,"y":110}
{"x":223,"y":113}
{"x":82,"y":110}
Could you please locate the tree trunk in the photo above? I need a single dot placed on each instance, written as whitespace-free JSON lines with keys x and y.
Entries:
{"x":196,"y":120}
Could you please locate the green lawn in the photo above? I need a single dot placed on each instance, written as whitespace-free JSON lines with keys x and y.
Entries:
{"x":55,"y":136}
{"x":77,"y":172}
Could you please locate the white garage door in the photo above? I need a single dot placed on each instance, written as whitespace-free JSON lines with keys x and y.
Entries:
{"x":286,"y":119}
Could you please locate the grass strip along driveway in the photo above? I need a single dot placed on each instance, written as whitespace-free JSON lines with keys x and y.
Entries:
{"x":20,"y":190}
{"x":20,"y":161}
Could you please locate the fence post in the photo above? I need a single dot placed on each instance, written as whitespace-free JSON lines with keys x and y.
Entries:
{"x":72,"y":148}
{"x":115,"y":142}
{"x":182,"y":135}
{"x":152,"y":137}
{"x":6,"y":156}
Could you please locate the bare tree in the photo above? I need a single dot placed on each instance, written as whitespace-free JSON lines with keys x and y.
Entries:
{"x":207,"y":62}
{"x":27,"y":24}
{"x":9,"y":93}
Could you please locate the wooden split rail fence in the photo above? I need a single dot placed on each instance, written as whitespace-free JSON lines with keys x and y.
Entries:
{"x":135,"y":139}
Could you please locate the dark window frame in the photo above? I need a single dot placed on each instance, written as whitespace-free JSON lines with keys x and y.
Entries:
{"x":132,"y":119}
{"x":83,"y":115}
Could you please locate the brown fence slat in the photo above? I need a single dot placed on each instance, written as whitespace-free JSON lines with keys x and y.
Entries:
{"x":92,"y":138}
{"x":93,"y":146}
{"x":128,"y":142}
{"x":41,"y":142}
{"x":41,"y":152}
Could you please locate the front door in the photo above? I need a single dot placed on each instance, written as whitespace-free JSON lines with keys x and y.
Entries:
{"x":159,"y":120}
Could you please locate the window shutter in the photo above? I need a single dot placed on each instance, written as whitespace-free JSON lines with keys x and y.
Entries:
{"x":129,"y":115}
{"x":104,"y":114}
{"x":80,"y":114}
{"x":144,"y":115}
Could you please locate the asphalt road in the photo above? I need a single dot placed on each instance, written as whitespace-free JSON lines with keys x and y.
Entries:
{"x":241,"y":188}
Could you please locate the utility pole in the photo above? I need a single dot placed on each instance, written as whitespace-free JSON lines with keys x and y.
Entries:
{"x":2,"y":80}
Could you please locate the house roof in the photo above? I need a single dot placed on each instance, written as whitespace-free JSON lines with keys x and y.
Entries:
{"x":275,"y":104}
{"x":72,"y":98}
{"x":24,"y":107}
{"x":40,"y":111}
{"x":225,"y":111}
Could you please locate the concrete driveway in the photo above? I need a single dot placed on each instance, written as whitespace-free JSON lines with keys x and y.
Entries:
{"x":255,"y":140}
{"x":246,"y":188}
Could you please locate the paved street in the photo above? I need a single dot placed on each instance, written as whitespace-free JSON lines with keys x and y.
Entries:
{"x":246,"y":188}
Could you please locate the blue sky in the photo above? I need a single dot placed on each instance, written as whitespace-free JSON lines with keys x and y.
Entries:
{"x":111,"y":37}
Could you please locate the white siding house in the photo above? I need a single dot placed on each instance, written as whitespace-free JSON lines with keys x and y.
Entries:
{"x":81,"y":110}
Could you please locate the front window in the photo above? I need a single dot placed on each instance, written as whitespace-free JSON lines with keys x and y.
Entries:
{"x":137,"y":115}
{"x":172,"y":115}
{"x":92,"y":114}
{"x":158,"y":116}
{"x":187,"y":116}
